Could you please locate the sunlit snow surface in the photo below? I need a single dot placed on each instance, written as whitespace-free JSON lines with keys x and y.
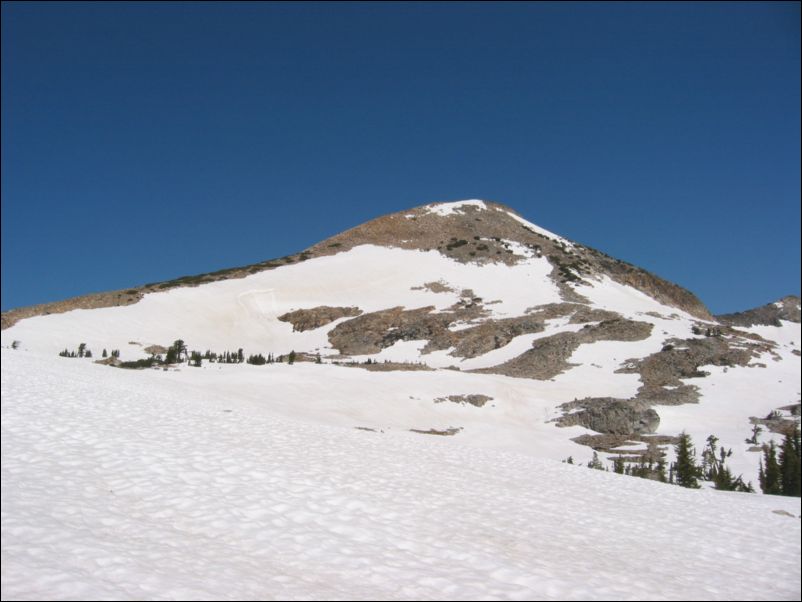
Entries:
{"x":148,"y":485}
{"x":252,"y":482}
{"x":243,"y":313}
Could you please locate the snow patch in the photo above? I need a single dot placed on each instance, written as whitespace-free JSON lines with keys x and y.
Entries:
{"x":143,"y":485}
{"x":452,"y":208}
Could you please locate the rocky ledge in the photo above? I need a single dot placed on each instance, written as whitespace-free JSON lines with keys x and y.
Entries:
{"x":309,"y":319}
{"x":549,"y":356}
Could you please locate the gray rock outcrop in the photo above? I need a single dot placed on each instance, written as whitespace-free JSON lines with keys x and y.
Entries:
{"x":611,"y":416}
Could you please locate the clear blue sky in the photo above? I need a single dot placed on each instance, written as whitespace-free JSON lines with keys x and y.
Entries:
{"x":141,"y":142}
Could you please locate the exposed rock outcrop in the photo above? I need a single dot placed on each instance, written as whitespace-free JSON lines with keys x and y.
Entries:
{"x":482,"y":338}
{"x":549,"y":356}
{"x":372,"y":332}
{"x":611,"y":416}
{"x":661,"y":372}
{"x":787,"y":308}
{"x":474,"y":399}
{"x":309,"y":319}
{"x":579,"y":313}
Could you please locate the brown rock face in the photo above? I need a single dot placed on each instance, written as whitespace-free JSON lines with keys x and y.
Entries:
{"x":309,"y":319}
{"x":370,"y":333}
{"x":787,"y":308}
{"x":661,"y":372}
{"x":549,"y":356}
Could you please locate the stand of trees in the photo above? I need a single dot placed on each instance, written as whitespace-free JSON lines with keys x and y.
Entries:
{"x":779,"y":474}
{"x":779,"y":468}
{"x":179,"y":353}
{"x":686,"y":472}
{"x":83,"y":351}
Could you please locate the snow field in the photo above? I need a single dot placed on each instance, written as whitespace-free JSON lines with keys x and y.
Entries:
{"x":243,"y":312}
{"x":136,"y":485}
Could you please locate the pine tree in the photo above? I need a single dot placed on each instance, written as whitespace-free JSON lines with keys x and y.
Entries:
{"x":81,"y":349}
{"x":291,"y":358}
{"x":771,"y":483}
{"x":661,"y":469}
{"x":105,"y":353}
{"x":171,"y":356}
{"x":257,"y":360}
{"x":176,"y":352}
{"x":685,"y":467}
{"x":180,"y":349}
{"x":710,"y":465}
{"x":789,"y":464}
{"x":761,"y":476}
{"x":756,"y":430}
{"x":723,"y":479}
{"x":618,"y":465}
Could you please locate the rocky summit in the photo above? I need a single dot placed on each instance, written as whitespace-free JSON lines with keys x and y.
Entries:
{"x":568,"y":350}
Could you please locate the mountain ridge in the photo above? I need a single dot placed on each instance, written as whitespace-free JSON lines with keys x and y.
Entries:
{"x":466,"y":231}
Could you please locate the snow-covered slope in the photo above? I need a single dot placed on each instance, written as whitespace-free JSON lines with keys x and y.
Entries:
{"x":327,"y":480}
{"x":152,"y":485}
{"x":467,"y":286}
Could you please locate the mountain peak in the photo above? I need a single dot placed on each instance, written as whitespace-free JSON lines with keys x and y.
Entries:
{"x":448,"y":227}
{"x":473,"y":231}
{"x":450,"y":207}
{"x":484,"y":232}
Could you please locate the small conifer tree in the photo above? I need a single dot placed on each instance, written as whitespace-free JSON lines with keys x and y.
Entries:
{"x":790,"y":465}
{"x":770,"y":476}
{"x":686,"y":471}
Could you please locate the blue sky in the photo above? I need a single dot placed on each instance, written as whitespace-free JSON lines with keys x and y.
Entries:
{"x":145,"y":141}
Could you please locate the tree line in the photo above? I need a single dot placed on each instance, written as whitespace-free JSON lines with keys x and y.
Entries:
{"x":179,"y":353}
{"x":779,"y":470}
